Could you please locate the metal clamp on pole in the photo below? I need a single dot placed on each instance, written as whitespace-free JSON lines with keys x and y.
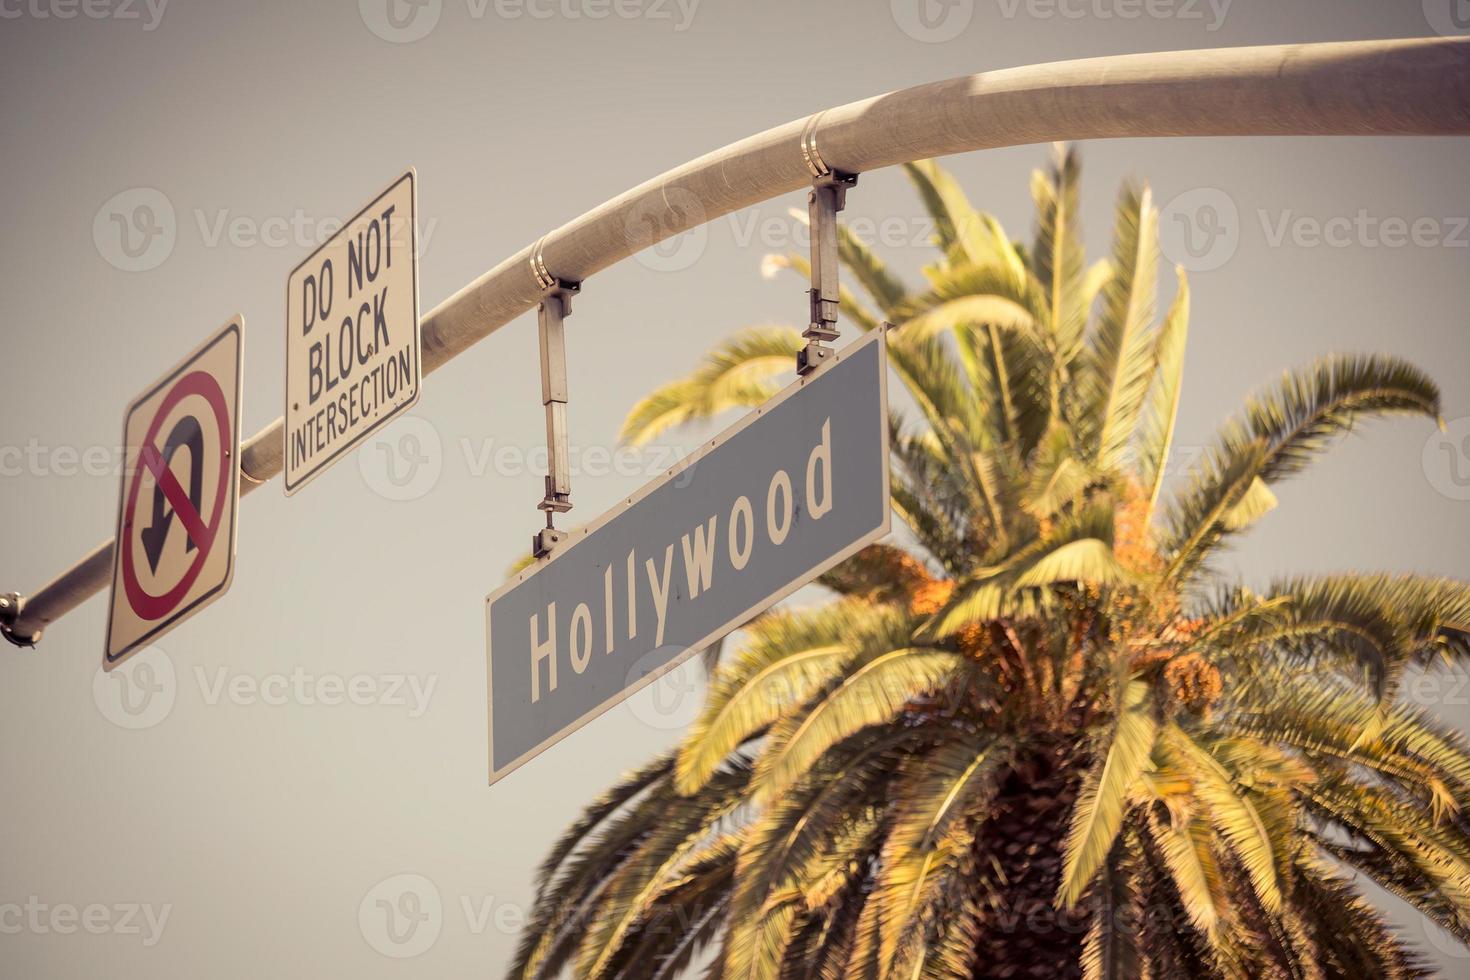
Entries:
{"x":551,"y":314}
{"x":827,"y":197}
{"x":10,"y":607}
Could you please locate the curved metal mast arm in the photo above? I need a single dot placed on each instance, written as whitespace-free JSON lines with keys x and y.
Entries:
{"x":1361,"y":88}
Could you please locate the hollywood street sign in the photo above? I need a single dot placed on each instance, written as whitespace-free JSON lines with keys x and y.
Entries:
{"x":794,"y":488}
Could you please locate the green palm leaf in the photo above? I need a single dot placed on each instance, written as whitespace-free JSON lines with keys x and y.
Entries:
{"x":1098,"y":817}
{"x":743,"y":373}
{"x":789,"y":658}
{"x":872,"y":694}
{"x":1157,"y":434}
{"x":1119,"y":365}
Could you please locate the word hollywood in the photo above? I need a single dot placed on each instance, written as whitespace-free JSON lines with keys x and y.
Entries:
{"x":698,"y":548}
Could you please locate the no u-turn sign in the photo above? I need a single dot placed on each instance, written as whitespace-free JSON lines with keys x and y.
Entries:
{"x":177,"y":508}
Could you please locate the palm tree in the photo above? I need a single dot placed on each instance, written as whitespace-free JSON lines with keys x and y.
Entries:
{"x":1042,"y":738}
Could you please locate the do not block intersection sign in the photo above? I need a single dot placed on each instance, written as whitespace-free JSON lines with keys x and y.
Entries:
{"x":352,"y":334}
{"x":180,"y":495}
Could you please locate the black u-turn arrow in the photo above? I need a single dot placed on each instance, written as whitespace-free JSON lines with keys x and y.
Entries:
{"x":186,"y":432}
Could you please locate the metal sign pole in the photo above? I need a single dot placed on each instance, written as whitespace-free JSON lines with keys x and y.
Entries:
{"x":10,"y":607}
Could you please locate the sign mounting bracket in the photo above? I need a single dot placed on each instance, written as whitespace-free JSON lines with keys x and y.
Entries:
{"x":826,"y":199}
{"x":551,"y":314}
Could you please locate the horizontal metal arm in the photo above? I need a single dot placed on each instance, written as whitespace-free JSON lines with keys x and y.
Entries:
{"x":1360,"y":88}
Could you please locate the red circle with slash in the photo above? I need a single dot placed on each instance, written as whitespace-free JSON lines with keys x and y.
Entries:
{"x":200,"y":531}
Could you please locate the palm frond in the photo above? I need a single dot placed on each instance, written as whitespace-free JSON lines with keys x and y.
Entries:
{"x":958,"y":226}
{"x":1119,"y":366}
{"x":743,"y":372}
{"x":1098,"y":817}
{"x":789,"y":657}
{"x":871,"y":694}
{"x":1282,"y":430}
{"x":1232,"y":815}
{"x":1157,"y":434}
{"x":1058,"y":259}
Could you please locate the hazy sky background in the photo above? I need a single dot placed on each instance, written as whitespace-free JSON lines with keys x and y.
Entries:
{"x":265,"y":829}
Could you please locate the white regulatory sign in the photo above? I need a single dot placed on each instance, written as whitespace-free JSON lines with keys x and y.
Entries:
{"x":352,"y":334}
{"x":179,"y":497}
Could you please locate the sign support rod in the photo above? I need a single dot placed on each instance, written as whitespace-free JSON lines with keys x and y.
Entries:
{"x":551,"y":315}
{"x":1404,"y":87}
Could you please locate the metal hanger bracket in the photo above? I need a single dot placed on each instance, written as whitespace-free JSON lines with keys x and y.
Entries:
{"x":826,"y":199}
{"x":551,"y":314}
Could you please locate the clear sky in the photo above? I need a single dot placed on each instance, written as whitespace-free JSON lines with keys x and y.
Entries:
{"x":252,"y":827}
